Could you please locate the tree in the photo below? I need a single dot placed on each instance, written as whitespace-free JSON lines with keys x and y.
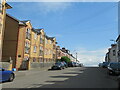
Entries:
{"x":66,"y":59}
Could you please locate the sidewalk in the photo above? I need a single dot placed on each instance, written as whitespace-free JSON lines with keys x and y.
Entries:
{"x":29,"y":72}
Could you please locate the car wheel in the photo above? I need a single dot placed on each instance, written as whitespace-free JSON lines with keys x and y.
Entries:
{"x":60,"y":68}
{"x":110,"y":73}
{"x":11,"y":78}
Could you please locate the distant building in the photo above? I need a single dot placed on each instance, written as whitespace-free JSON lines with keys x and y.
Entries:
{"x":118,"y":48}
{"x":118,"y":38}
{"x":111,"y":55}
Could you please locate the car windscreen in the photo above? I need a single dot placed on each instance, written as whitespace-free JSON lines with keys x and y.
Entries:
{"x":57,"y":63}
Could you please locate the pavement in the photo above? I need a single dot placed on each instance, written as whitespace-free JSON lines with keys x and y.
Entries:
{"x":29,"y":72}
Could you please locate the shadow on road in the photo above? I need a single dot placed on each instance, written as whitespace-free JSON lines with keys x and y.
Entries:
{"x":92,"y":77}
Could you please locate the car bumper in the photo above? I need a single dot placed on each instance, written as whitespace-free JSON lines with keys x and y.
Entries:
{"x":55,"y":67}
{"x":114,"y":72}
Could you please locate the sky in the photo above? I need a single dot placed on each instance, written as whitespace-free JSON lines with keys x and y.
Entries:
{"x":82,"y":27}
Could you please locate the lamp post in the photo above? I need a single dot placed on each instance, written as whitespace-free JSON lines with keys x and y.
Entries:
{"x":76,"y":54}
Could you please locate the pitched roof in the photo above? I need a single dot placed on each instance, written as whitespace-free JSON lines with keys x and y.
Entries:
{"x":20,"y":22}
{"x":38,"y":31}
{"x":12,"y":17}
{"x":118,"y":38}
{"x":8,"y":6}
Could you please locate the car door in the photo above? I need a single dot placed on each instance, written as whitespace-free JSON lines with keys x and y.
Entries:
{"x":0,"y":74}
{"x":5,"y":75}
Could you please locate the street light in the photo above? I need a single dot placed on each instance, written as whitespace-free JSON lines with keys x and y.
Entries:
{"x":76,"y":55}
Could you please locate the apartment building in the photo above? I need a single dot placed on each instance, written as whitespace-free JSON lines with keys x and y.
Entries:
{"x":10,"y":40}
{"x":3,"y":7}
{"x":41,"y":45}
{"x":58,"y":53}
{"x":111,"y":55}
{"x":49,"y":49}
{"x":35,"y":45}
{"x":17,"y":42}
{"x":24,"y":45}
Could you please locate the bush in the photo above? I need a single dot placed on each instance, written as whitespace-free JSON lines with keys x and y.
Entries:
{"x":66,"y":59}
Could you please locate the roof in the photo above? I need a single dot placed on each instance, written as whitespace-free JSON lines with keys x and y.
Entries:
{"x":38,"y":31}
{"x":8,"y":6}
{"x":22,"y":23}
{"x":51,"y":38}
{"x":26,"y":21}
{"x":12,"y":17}
{"x":118,"y":38}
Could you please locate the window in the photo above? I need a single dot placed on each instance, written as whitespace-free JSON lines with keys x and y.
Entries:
{"x":41,"y":40}
{"x":114,"y":53}
{"x":28,"y":35}
{"x":35,"y":49}
{"x":35,"y":36}
{"x":27,"y":50}
{"x":40,"y":36}
{"x":41,"y":51}
{"x":46,"y":41}
{"x":34,"y":59}
{"x":54,"y":46}
{"x":27,"y":47}
{"x":50,"y":42}
{"x":40,"y":59}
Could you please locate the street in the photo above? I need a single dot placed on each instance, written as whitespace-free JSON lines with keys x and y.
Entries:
{"x":76,"y":77}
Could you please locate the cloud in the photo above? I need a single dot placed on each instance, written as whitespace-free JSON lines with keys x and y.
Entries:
{"x":91,"y":57}
{"x":47,"y":7}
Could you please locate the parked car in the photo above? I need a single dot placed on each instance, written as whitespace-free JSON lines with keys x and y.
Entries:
{"x":65,"y":64}
{"x":105,"y":64}
{"x":71,"y":64}
{"x":114,"y":68}
{"x":80,"y":65}
{"x":76,"y":64}
{"x":100,"y":64}
{"x":118,"y":79}
{"x":6,"y":75}
{"x":58,"y":65}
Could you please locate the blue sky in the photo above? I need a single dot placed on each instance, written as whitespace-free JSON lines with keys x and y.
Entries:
{"x":86,"y":27}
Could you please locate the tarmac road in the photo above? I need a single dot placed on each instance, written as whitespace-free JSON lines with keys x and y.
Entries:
{"x":77,"y":77}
